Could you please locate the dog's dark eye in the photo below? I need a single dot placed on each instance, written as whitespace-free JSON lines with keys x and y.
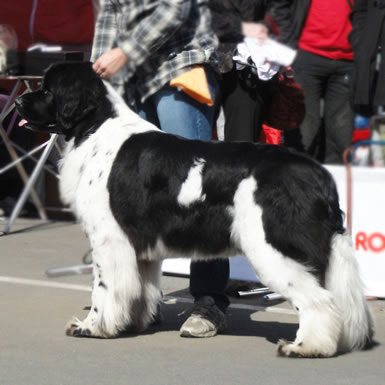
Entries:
{"x":46,"y":92}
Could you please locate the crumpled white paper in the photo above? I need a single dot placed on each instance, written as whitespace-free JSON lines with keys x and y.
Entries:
{"x":266,"y":56}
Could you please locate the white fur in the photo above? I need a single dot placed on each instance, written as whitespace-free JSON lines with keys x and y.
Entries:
{"x":191,"y":189}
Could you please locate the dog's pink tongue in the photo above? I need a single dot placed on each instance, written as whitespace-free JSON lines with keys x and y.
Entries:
{"x":22,"y":122}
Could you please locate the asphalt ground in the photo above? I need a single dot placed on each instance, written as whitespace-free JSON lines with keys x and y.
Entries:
{"x":34,"y":309}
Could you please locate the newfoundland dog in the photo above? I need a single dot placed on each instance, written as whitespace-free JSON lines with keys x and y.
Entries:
{"x":142,"y":195}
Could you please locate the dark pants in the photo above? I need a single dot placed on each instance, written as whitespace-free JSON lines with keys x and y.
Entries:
{"x":244,"y":99}
{"x":210,"y":278}
{"x":326,"y":132}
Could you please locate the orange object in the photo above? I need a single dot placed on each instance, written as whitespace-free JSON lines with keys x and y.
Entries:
{"x":194,"y":84}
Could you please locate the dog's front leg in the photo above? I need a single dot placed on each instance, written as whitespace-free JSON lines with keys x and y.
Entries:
{"x":148,"y":310}
{"x":116,"y":288}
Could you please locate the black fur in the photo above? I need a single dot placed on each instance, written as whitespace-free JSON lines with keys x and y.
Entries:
{"x":298,"y":197}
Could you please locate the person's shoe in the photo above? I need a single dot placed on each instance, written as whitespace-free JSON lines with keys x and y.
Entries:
{"x":206,"y":320}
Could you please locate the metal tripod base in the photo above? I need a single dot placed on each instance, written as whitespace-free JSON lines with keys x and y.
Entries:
{"x":70,"y":270}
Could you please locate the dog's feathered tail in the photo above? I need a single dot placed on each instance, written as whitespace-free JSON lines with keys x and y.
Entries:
{"x":343,"y":281}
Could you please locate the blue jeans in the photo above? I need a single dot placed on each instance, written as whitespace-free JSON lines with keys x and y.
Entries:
{"x":176,"y":113}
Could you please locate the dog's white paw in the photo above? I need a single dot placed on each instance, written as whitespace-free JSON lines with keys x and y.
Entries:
{"x":74,"y":328}
{"x":77,"y":328}
{"x":87,"y":328}
{"x":295,"y":349}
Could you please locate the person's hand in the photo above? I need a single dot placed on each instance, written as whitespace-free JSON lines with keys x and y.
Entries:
{"x":110,"y":63}
{"x":257,"y":31}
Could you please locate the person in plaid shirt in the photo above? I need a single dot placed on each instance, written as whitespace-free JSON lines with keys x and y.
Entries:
{"x":140,"y":46}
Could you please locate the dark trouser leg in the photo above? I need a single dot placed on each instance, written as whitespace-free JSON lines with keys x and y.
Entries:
{"x":244,"y":100}
{"x":312,"y":77}
{"x":339,"y":116}
{"x":210,"y":279}
{"x":327,"y":79}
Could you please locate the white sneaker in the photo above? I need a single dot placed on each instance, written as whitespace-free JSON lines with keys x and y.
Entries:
{"x":206,"y":320}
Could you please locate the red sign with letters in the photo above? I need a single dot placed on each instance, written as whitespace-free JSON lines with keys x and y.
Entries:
{"x":374,"y":242}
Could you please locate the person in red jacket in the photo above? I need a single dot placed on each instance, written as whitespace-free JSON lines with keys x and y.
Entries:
{"x":319,"y":30}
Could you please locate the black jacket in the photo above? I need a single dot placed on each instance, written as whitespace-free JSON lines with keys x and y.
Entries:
{"x":290,"y":16}
{"x":227,"y":16}
{"x":368,"y":34}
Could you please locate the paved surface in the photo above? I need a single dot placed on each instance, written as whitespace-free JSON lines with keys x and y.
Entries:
{"x":35,"y":351}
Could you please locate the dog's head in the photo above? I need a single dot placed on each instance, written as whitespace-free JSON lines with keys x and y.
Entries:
{"x":72,"y":100}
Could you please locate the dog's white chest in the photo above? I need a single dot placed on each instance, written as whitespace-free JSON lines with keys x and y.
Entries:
{"x":85,"y":169}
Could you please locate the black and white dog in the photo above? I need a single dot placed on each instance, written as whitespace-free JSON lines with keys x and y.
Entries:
{"x":143,"y":195}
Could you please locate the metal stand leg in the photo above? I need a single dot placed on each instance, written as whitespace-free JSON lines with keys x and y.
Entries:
{"x":36,"y":172}
{"x":70,"y":270}
{"x":86,"y":268}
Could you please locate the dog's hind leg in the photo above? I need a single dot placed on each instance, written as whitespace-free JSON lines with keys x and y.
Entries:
{"x":319,"y":319}
{"x":116,"y":287}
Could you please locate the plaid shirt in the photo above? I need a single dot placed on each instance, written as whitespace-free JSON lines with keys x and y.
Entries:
{"x":161,"y":39}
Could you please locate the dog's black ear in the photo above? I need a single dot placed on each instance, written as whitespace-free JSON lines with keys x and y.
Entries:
{"x":73,"y":103}
{"x":77,"y":96}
